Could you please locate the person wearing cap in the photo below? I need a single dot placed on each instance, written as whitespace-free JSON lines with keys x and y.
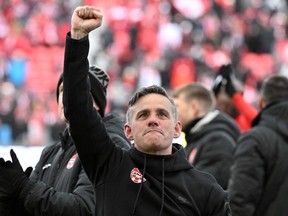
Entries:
{"x":154,"y":176}
{"x":59,"y":184}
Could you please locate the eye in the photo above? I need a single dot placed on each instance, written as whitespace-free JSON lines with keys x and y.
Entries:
{"x":142,"y":115}
{"x":163,"y":114}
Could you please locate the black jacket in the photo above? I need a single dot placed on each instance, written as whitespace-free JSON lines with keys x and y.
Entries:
{"x":259,"y":182}
{"x":211,"y":141}
{"x":59,"y":185}
{"x":115,"y":129}
{"x":169,"y":182}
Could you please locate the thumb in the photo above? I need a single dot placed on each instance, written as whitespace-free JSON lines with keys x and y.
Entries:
{"x":28,"y":171}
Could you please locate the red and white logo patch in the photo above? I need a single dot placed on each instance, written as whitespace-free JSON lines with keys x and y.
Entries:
{"x":136,"y":176}
{"x":71,"y":162}
{"x":192,"y":155}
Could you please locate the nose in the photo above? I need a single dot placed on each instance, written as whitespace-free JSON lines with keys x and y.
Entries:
{"x":153,"y":120}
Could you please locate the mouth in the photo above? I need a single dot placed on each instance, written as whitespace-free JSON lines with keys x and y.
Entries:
{"x":154,"y":130}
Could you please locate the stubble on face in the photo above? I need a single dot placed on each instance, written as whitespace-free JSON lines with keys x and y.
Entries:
{"x":153,"y":125}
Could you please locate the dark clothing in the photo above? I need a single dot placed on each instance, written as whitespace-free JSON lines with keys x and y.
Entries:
{"x":59,"y":185}
{"x":115,"y":132}
{"x":259,"y":179}
{"x":211,"y":141}
{"x":131,"y":182}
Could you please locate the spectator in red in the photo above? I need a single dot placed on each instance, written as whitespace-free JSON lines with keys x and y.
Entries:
{"x":229,"y":98}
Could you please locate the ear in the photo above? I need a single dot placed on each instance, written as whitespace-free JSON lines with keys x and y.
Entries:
{"x":95,"y":105}
{"x":128,"y":132}
{"x":195,"y":110}
{"x":178,"y":129}
{"x":261,"y":103}
{"x":195,"y":106}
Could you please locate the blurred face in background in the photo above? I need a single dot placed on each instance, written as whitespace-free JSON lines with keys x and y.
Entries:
{"x":187,"y":110}
{"x":60,"y":104}
{"x":225,"y":104}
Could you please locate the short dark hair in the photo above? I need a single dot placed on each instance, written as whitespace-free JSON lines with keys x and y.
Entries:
{"x":198,"y":92}
{"x":274,"y":88}
{"x":153,"y":89}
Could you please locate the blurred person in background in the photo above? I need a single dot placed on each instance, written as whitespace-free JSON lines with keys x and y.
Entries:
{"x":259,"y":175}
{"x":229,"y":98}
{"x":210,"y":134}
{"x":58,"y":185}
{"x":8,"y":104}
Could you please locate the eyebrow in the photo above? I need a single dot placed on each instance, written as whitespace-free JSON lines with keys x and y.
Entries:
{"x":158,"y":110}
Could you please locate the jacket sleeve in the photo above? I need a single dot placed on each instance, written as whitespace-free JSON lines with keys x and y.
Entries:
{"x":217,"y":208}
{"x":96,"y":151}
{"x":10,"y":206}
{"x":249,"y":111}
{"x":247,"y":174}
{"x":42,"y":199}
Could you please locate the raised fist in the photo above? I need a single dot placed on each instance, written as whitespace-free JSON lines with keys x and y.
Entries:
{"x":84,"y":20}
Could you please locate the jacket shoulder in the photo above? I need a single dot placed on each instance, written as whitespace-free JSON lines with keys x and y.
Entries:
{"x":115,"y":128}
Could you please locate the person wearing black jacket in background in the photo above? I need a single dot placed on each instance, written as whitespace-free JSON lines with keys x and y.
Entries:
{"x":58,"y":185}
{"x":153,"y":177}
{"x":259,"y":175}
{"x":210,"y":134}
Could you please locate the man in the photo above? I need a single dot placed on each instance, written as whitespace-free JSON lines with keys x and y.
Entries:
{"x":58,"y":185}
{"x":210,"y":134}
{"x":229,"y":98}
{"x":152,"y":178}
{"x":259,"y":175}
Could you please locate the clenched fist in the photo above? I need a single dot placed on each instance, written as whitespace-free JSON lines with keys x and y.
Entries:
{"x":84,"y":20}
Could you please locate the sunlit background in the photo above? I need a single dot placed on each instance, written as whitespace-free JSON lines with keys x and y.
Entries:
{"x":142,"y":42}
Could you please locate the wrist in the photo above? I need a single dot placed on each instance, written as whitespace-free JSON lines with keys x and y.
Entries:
{"x":77,"y":35}
{"x":231,"y":93}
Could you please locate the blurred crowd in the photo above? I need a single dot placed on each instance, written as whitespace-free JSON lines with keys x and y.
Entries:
{"x":143,"y":42}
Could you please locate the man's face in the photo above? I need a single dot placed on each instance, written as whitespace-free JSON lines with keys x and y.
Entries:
{"x":61,"y":106}
{"x":152,"y":126}
{"x":187,"y":111}
{"x":225,"y":104}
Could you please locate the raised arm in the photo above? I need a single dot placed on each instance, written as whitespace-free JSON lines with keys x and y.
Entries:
{"x":87,"y":129}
